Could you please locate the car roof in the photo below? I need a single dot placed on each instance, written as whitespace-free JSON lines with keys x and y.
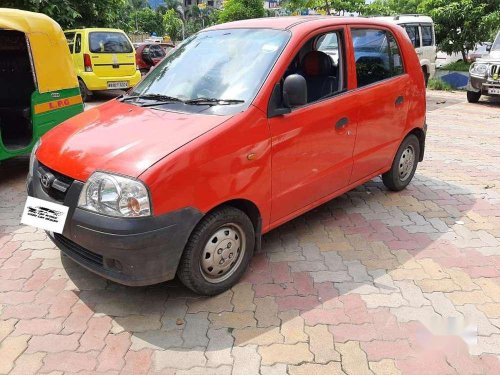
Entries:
{"x":94,"y":29}
{"x":291,"y":22}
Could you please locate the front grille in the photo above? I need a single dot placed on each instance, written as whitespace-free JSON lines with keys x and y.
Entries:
{"x":59,"y":183}
{"x":495,"y":72}
{"x":75,"y":249}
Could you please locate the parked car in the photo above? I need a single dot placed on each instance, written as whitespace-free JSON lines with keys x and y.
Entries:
{"x":420,"y":30}
{"x":481,"y":50}
{"x":484,"y":74}
{"x":185,"y":173}
{"x":104,"y":59}
{"x":148,"y":55}
{"x":38,"y":86}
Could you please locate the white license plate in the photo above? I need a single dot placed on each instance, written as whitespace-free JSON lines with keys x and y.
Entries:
{"x":117,"y":85}
{"x":494,"y":91}
{"x":45,"y":215}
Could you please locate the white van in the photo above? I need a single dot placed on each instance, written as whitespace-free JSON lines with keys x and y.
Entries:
{"x":420,"y":29}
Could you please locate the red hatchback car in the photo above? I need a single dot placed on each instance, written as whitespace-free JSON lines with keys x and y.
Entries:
{"x":148,"y":55}
{"x":243,"y":127}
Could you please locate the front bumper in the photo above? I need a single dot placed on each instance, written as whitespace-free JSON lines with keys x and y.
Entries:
{"x":479,"y":84}
{"x":137,"y":251}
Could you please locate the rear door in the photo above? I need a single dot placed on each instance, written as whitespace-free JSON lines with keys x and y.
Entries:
{"x":112,"y":54}
{"x":428,"y":49}
{"x":382,"y":94}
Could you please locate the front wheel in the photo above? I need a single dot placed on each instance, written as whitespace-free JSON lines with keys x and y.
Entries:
{"x":473,"y":97}
{"x":218,"y":252}
{"x":404,"y":164}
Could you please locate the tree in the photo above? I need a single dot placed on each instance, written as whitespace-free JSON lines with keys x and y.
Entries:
{"x":235,"y":10}
{"x":148,"y":21}
{"x":391,"y":7}
{"x":173,"y":25}
{"x":460,"y":24}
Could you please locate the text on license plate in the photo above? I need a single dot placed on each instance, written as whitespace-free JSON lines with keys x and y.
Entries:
{"x":46,"y":215}
{"x":118,"y":85}
{"x":495,"y":91}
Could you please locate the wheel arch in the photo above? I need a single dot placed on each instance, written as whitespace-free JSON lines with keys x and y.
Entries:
{"x":252,"y":211}
{"x":420,"y":134}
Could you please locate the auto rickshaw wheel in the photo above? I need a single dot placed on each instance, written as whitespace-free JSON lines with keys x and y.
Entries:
{"x":84,"y":91}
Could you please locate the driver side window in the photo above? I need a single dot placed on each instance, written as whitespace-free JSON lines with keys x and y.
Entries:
{"x":320,"y":61}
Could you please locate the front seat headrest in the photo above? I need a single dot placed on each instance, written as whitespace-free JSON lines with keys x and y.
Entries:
{"x":317,"y":63}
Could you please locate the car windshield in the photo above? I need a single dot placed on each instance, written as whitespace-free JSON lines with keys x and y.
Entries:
{"x":109,"y":42}
{"x":228,"y":65}
{"x":496,"y":43}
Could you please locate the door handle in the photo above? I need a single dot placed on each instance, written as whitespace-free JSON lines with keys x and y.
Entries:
{"x":342,"y":123}
{"x":399,"y":100}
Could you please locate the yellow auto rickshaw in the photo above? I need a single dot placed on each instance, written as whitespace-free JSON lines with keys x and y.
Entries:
{"x":38,"y":84}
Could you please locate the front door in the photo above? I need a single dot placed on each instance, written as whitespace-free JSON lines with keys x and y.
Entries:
{"x":383,"y":100}
{"x":312,"y":146}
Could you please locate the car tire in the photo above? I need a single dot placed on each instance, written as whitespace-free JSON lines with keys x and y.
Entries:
{"x":473,"y":97}
{"x":218,"y":252}
{"x":404,"y":165}
{"x":84,"y":91}
{"x":426,"y":77}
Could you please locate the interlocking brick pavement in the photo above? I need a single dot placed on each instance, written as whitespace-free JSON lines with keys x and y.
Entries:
{"x":373,"y":282}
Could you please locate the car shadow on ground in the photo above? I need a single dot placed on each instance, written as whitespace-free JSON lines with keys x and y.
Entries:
{"x":313,"y":269}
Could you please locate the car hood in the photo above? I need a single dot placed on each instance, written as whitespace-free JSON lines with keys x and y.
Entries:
{"x":493,"y":56}
{"x":120,"y":138}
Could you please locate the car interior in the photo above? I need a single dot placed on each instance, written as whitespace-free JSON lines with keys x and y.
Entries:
{"x":17,"y":83}
{"x":321,"y":65}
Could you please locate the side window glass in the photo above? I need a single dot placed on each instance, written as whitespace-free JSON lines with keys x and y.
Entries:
{"x":78,"y":43}
{"x":320,"y":62}
{"x":396,"y":59}
{"x":414,"y":35}
{"x":371,"y":53}
{"x":427,"y":39}
{"x":376,"y":54}
{"x":70,"y":38}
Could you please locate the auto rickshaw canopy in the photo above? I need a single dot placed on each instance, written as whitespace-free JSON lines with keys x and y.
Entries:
{"x":49,"y":49}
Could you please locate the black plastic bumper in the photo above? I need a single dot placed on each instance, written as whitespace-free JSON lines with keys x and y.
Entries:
{"x":130,"y":251}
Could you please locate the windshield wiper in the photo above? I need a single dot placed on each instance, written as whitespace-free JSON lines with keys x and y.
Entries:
{"x":213,"y":101}
{"x":157,"y":97}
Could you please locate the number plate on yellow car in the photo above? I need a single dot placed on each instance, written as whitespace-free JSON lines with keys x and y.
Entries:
{"x":44,"y":214}
{"x":494,"y":91}
{"x":117,"y":85}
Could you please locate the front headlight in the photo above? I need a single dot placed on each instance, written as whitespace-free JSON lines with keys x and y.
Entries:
{"x":479,"y":69}
{"x":114,"y":195}
{"x":33,"y":156}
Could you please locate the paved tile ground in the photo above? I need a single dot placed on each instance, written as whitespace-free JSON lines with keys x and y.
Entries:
{"x":373,"y":282}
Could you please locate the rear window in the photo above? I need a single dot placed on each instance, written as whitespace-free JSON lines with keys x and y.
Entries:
{"x":109,"y":42}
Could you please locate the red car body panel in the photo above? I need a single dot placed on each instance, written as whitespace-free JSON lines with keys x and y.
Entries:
{"x":284,"y":165}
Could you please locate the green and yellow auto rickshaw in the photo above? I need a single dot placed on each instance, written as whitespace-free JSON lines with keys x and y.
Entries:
{"x":38,"y":85}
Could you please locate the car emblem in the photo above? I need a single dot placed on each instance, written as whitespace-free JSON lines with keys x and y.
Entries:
{"x":495,"y":76}
{"x":46,"y":180}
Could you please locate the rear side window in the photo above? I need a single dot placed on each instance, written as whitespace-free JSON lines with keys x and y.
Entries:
{"x":156,"y":51}
{"x":109,"y":42}
{"x":78,"y":43}
{"x":413,"y":33}
{"x":427,"y":37}
{"x":377,"y":56}
{"x":70,"y":38}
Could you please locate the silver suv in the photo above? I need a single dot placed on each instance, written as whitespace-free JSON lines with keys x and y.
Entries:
{"x":484,"y":74}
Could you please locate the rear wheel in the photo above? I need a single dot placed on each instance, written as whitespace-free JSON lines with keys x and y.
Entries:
{"x":473,"y":97}
{"x":426,"y":76}
{"x":218,"y":252}
{"x":404,"y":164}
{"x":84,"y":91}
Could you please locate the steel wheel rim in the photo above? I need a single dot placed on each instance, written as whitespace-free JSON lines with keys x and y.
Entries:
{"x":406,"y":163}
{"x":223,"y":253}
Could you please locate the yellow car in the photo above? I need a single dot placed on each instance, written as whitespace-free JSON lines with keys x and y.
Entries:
{"x":104,"y":59}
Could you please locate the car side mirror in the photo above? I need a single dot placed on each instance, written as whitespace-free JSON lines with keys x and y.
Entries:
{"x":488,"y":48}
{"x":294,"y":91}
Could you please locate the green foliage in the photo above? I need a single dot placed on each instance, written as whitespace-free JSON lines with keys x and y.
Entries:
{"x":391,"y":7}
{"x":172,"y":24}
{"x":241,"y":9}
{"x":148,"y":21}
{"x":437,"y":84}
{"x":337,"y":7}
{"x":459,"y":66}
{"x":460,"y":24}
